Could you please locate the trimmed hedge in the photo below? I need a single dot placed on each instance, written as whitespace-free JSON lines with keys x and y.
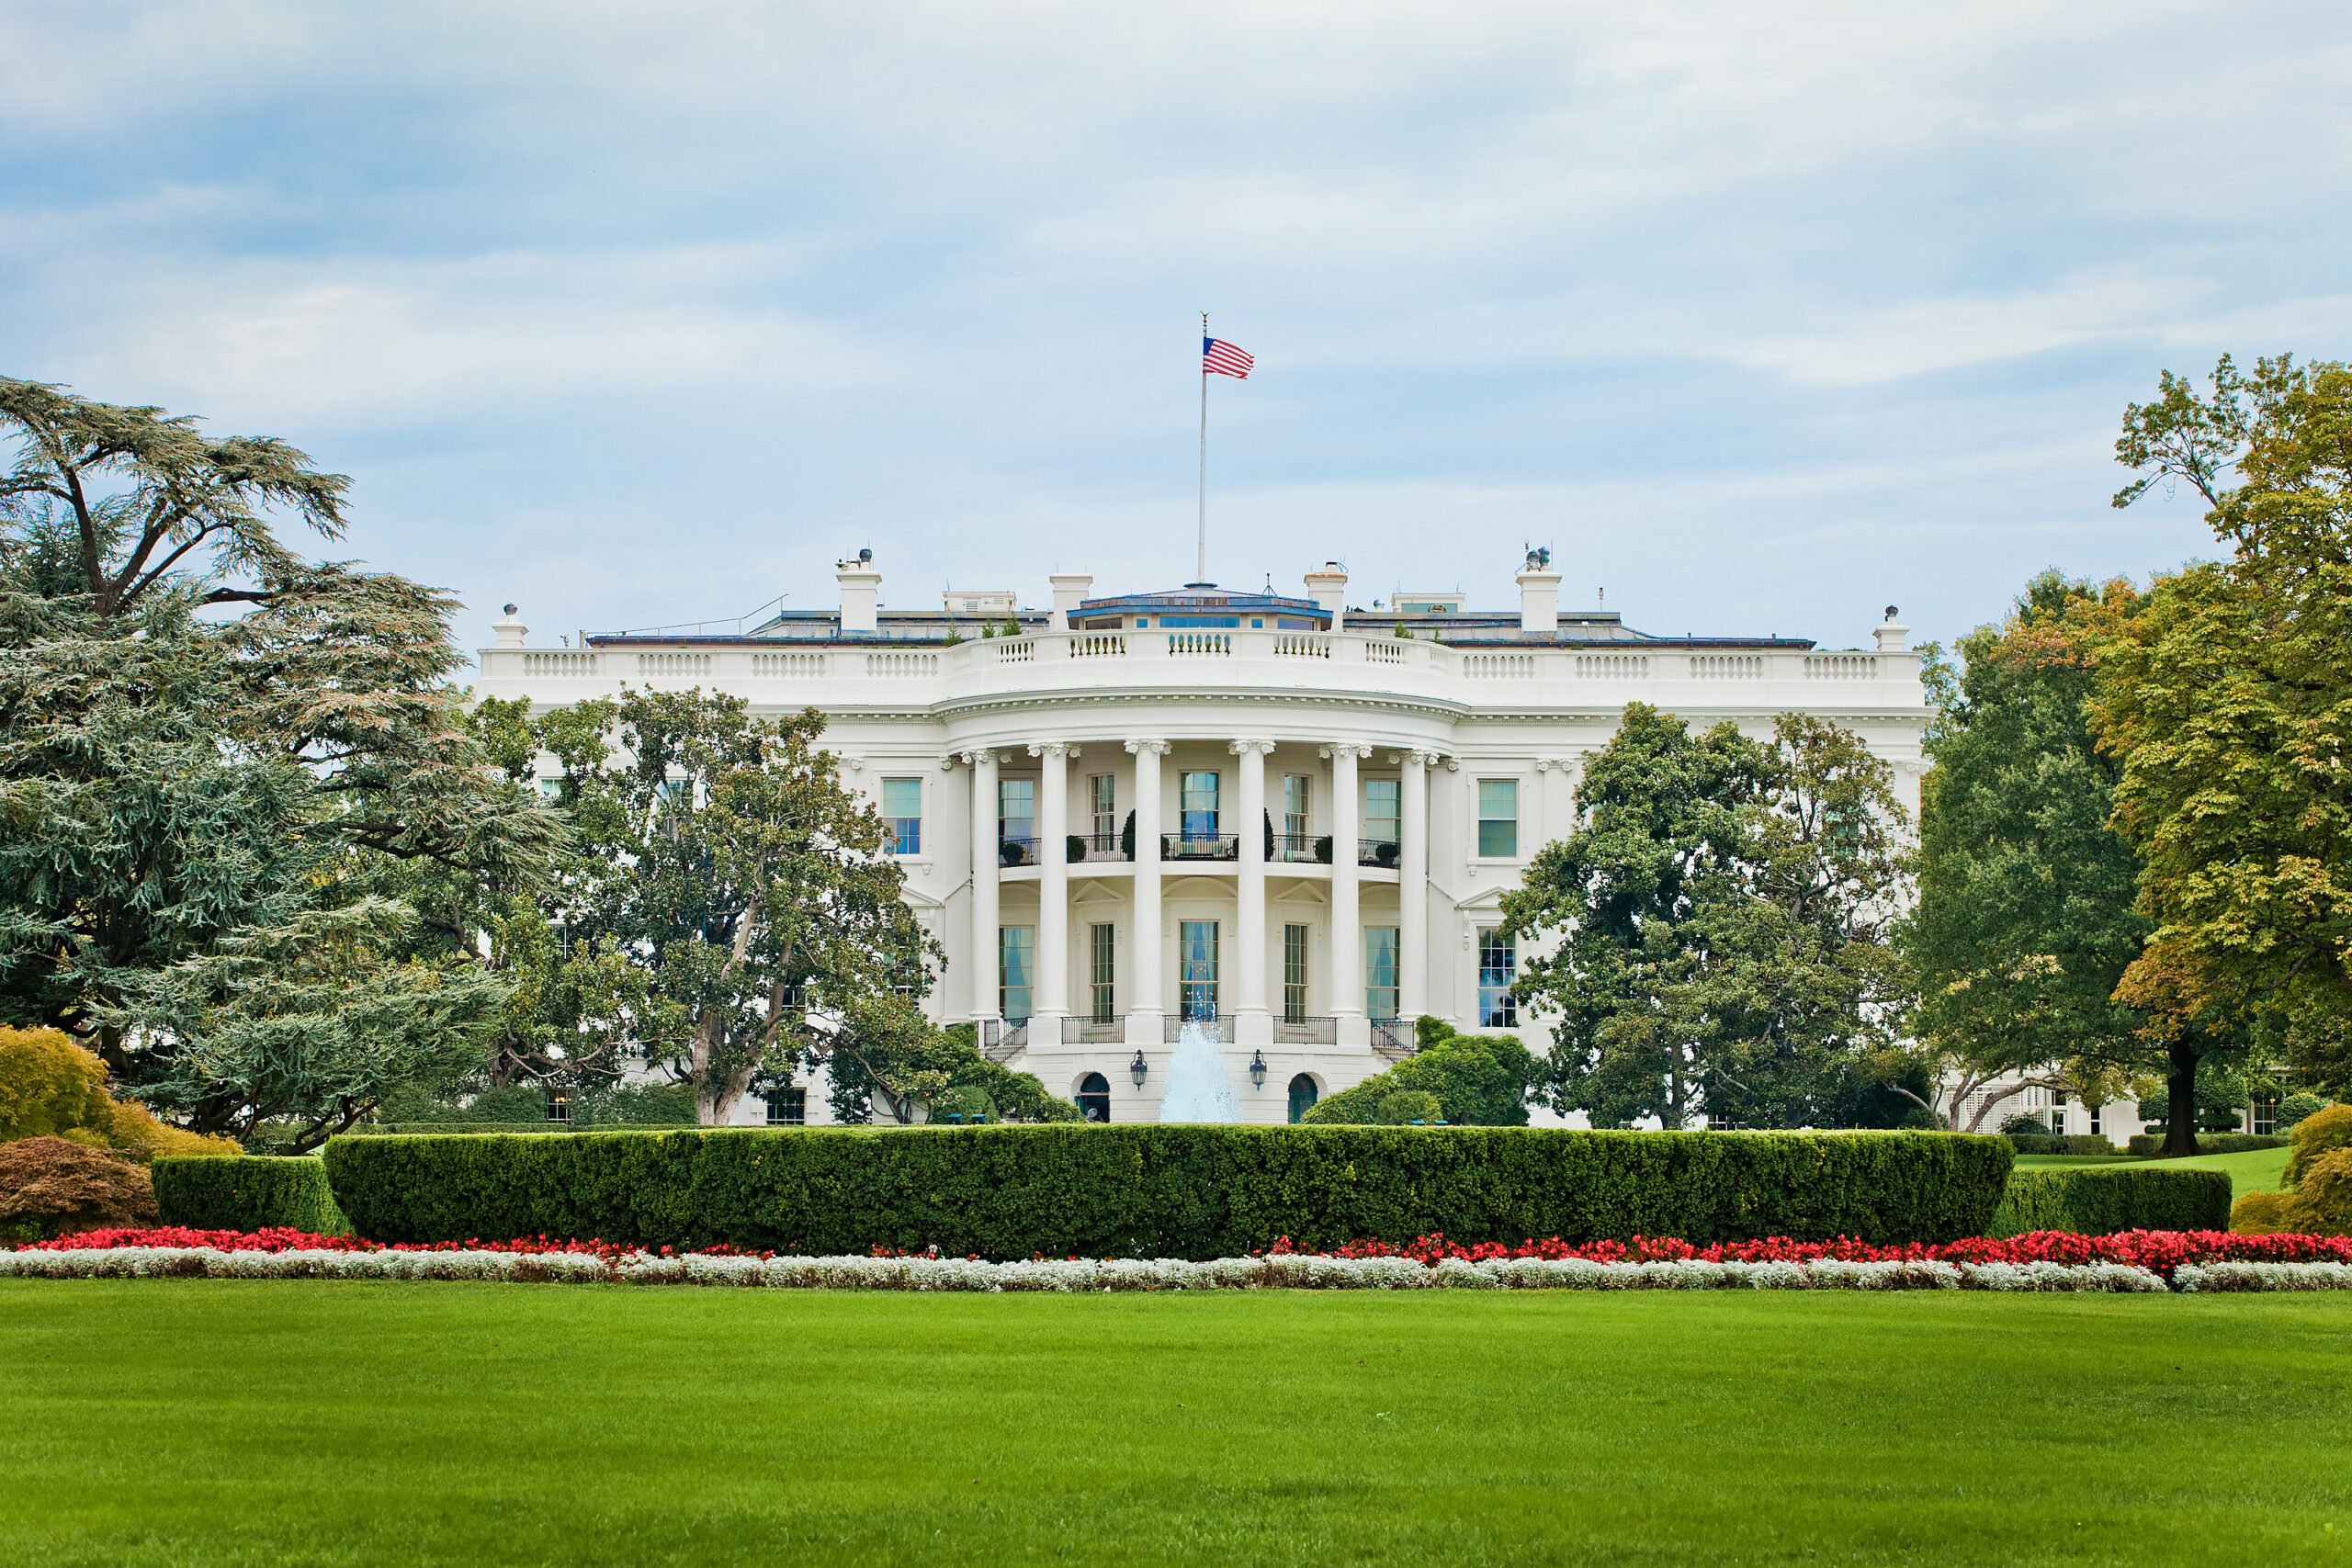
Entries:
{"x":2099,"y":1199}
{"x":2060,"y":1144}
{"x":248,"y":1193}
{"x":2149,"y":1145}
{"x":1165,"y":1191}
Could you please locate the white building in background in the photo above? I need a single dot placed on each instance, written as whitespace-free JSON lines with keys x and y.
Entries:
{"x":1284,"y":816}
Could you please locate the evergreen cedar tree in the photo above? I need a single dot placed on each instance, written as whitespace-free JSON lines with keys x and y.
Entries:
{"x":1148,"y":1190}
{"x":1722,"y":913}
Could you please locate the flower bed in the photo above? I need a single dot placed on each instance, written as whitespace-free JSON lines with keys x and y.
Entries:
{"x":2140,"y":1261}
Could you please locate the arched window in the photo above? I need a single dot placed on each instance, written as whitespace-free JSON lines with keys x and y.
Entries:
{"x":1094,"y":1096}
{"x":1303,"y":1095}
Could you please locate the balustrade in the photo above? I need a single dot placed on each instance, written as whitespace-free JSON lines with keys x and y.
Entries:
{"x":1726,"y":667}
{"x":1181,"y":645}
{"x":694,"y":665}
{"x":1498,"y":666}
{"x":567,"y":665}
{"x":1841,"y":666}
{"x":788,"y":664}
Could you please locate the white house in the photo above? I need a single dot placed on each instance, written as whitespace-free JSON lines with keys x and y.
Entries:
{"x":1287,"y":816}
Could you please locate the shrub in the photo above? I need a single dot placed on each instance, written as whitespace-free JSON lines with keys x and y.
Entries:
{"x":2026,"y":1124}
{"x":2101,"y":1199}
{"x":635,"y":1105}
{"x":2259,"y":1214}
{"x":2321,"y":1204}
{"x":2061,"y":1143}
{"x":1480,"y":1081}
{"x":966,"y":1100}
{"x":2295,"y":1107}
{"x":2313,"y":1136}
{"x":248,"y":1194}
{"x":52,"y":1187}
{"x":2150,"y":1145}
{"x":1171,"y":1191}
{"x":50,"y":1087}
{"x":1407,"y":1106}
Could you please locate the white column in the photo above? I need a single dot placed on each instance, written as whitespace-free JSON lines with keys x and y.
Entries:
{"x":1053,"y":885}
{"x":1143,"y":942}
{"x":1412,"y":888}
{"x":1347,"y":925}
{"x":985,"y":867}
{"x":1250,"y":922}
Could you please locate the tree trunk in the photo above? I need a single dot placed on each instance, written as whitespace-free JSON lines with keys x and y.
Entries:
{"x":2181,"y":1100}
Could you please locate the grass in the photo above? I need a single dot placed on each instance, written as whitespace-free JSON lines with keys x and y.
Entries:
{"x":2255,"y":1170}
{"x":153,"y":1422}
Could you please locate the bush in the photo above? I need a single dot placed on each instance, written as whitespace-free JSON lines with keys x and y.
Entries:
{"x":2150,"y":1145}
{"x":635,"y":1105}
{"x":2101,"y":1199}
{"x":2260,"y":1213}
{"x":248,"y":1194}
{"x":2321,"y":1204}
{"x":50,"y":1087}
{"x":1407,"y":1106}
{"x":2025,"y":1125}
{"x":2313,"y":1136}
{"x":1480,"y":1081}
{"x":54,"y":1186}
{"x":2060,"y":1144}
{"x":966,"y":1100}
{"x":1146,"y":1190}
{"x":2296,"y":1107}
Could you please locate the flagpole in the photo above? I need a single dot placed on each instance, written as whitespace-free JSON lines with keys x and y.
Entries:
{"x":1201,"y":558}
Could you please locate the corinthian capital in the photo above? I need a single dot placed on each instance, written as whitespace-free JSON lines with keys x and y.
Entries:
{"x":1151,"y":748}
{"x":1242,"y":748}
{"x":1052,"y":748}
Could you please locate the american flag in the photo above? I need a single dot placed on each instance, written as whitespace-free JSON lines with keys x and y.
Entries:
{"x":1224,"y":359}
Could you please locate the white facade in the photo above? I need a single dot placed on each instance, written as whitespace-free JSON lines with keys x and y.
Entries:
{"x":1255,"y":738}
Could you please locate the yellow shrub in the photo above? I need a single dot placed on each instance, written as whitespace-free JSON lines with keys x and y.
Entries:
{"x":2314,"y":1135}
{"x":2259,"y":1214}
{"x":50,"y":1087}
{"x":2321,"y":1201}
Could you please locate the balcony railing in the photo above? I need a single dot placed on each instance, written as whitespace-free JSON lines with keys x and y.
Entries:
{"x":1093,"y":1030}
{"x":1219,"y":1028}
{"x":1016,"y":851}
{"x":1304,"y":849}
{"x":1200,"y":846}
{"x":1306,"y":1032}
{"x":1393,"y":1038}
{"x":1096,"y":846}
{"x":1003,"y":1038}
{"x":1380,"y":852}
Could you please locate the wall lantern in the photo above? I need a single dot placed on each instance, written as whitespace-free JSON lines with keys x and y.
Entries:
{"x":1136,"y":1069}
{"x":1258,"y":1069}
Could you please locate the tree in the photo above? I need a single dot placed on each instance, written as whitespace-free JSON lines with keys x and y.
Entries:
{"x":2024,"y":924}
{"x":1478,"y":1080}
{"x":728,"y":864}
{"x":1721,"y":915}
{"x":2228,"y":703}
{"x":195,"y":809}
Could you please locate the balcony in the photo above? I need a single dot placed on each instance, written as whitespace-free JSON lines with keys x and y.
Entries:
{"x":1306,"y":1032}
{"x":1382,"y":853}
{"x":1001,"y":1039}
{"x":1094,"y":1031}
{"x":1013,"y":852}
{"x":1302,"y":848}
{"x":1219,"y":1028}
{"x":1393,"y":1038}
{"x":1200,"y":846}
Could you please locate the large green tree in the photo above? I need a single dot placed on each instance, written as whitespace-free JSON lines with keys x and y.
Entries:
{"x":212,"y":750}
{"x":2228,"y":702}
{"x":1713,"y":935}
{"x":2024,"y":924}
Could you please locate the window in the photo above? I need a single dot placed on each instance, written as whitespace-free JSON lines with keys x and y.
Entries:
{"x":551,"y":790}
{"x":1200,"y":620}
{"x":559,"y":1107}
{"x":2095,"y":1129}
{"x":1381,"y":797}
{"x":903,"y":814}
{"x":1102,"y":950}
{"x":1294,"y":975}
{"x":1016,"y":949}
{"x":1094,"y":1097}
{"x":1016,"y":810}
{"x":1302,"y":1096}
{"x":1498,"y":967}
{"x":1499,"y":818}
{"x":1103,"y":792}
{"x":1380,"y":971}
{"x":2266,"y":1117}
{"x":2057,"y":1115}
{"x":1198,"y":818}
{"x":1298,"y":797}
{"x":788,"y":1107}
{"x":1196,"y":967}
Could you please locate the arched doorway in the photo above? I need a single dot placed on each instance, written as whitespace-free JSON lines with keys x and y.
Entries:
{"x":1094,"y":1097}
{"x":1302,"y":1096}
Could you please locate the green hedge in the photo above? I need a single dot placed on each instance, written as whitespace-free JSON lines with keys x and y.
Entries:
{"x":2099,"y":1199}
{"x":2148,"y":1144}
{"x":248,"y":1193}
{"x":2060,"y":1144}
{"x":1168,"y":1192}
{"x":458,"y":1129}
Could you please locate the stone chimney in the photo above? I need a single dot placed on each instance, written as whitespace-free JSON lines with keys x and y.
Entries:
{"x":511,"y":631}
{"x":860,"y":590}
{"x":1894,"y":637}
{"x":1539,"y":595}
{"x":1069,"y":592}
{"x":1329,"y":588}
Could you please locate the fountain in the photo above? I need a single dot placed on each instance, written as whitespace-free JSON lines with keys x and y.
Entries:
{"x":1198,"y":1087}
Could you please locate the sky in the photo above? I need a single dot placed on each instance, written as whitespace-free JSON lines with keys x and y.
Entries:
{"x":1761,"y":318}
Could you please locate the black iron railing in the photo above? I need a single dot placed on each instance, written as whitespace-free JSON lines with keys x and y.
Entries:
{"x":1200,"y":846}
{"x":1016,"y":851}
{"x":1304,"y":849}
{"x":1380,"y":852}
{"x":1219,"y":1027}
{"x":1306,"y":1032}
{"x":1094,"y":1031}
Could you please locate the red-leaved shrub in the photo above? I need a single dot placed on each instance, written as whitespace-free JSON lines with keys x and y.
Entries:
{"x":51,"y":1187}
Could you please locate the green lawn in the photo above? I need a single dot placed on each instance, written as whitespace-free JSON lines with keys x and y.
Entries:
{"x":188,"y":1422}
{"x":2255,"y":1170}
